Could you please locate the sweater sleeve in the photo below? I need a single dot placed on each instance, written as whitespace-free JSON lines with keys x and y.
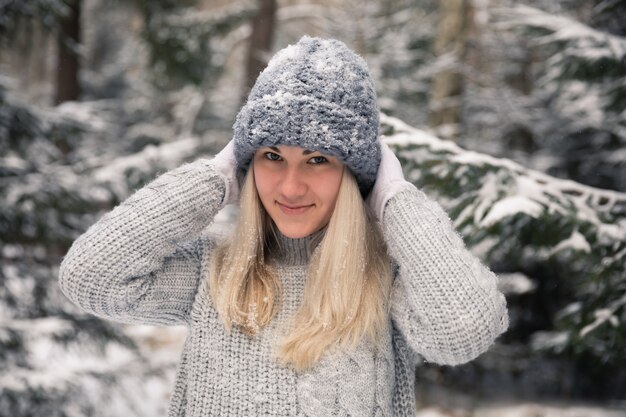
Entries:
{"x":140,"y":263}
{"x":445,"y":302}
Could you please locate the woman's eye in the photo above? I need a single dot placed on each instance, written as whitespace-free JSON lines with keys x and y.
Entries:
{"x":272,"y":156}
{"x":318,"y":160}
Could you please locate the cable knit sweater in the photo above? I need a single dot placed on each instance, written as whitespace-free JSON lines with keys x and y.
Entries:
{"x":147,"y":262}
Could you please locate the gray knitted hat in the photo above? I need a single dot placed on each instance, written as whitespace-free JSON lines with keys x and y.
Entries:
{"x":318,"y":95}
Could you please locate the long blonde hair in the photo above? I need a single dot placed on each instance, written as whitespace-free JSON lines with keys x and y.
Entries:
{"x":346,"y":296}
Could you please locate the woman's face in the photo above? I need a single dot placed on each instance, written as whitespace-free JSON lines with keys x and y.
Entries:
{"x":297,"y":187}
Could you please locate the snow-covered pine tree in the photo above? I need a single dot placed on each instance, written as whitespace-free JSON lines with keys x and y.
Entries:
{"x":54,"y":359}
{"x":582,"y":86}
{"x":184,"y":41}
{"x":402,"y":60}
{"x":570,"y":238}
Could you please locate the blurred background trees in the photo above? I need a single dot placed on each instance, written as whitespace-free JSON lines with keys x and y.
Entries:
{"x":99,"y":96}
{"x":60,"y":19}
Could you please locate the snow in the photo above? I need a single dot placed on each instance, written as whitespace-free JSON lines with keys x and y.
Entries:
{"x":280,"y":97}
{"x":510,"y":206}
{"x":87,"y":115}
{"x":167,"y":155}
{"x":531,"y":192}
{"x":47,"y":326}
{"x":110,"y":376}
{"x":545,"y":340}
{"x":566,"y":29}
{"x":288,"y":53}
{"x":603,"y":315}
{"x":581,"y":103}
{"x":530,"y":409}
{"x":13,"y":163}
{"x":612,"y":232}
{"x":515,"y":283}
{"x":482,"y":248}
{"x":547,"y":410}
{"x":576,"y":242}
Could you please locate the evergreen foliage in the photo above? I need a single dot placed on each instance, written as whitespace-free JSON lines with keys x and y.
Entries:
{"x":54,"y":359}
{"x":52,"y":196}
{"x":582,"y":84}
{"x":568,"y":236}
{"x":182,"y":40}
{"x":403,"y":61}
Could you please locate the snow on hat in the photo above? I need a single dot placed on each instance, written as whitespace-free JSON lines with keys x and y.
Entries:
{"x":318,"y":95}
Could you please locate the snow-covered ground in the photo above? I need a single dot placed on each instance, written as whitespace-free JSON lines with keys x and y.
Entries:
{"x":525,"y":410}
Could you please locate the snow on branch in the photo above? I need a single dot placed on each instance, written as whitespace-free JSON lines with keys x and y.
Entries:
{"x":530,"y":192}
{"x":564,"y":29}
{"x":524,"y":220}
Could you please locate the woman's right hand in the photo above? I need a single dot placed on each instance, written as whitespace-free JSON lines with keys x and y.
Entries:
{"x":226,"y":165}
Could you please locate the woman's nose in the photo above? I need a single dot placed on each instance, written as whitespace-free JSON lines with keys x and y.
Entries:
{"x":292,"y":184}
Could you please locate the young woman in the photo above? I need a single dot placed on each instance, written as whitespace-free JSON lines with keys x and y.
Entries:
{"x":338,"y":275}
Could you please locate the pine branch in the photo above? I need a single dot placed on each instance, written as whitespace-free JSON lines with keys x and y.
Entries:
{"x":523,"y":221}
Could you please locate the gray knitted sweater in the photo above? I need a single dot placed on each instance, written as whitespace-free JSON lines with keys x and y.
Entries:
{"x":147,"y":262}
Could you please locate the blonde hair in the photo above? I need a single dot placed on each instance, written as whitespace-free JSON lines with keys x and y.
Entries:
{"x":346,"y":296}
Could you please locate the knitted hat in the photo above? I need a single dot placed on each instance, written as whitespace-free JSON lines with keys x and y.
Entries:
{"x":318,"y":95}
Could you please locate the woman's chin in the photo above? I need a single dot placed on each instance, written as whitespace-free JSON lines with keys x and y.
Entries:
{"x":296,"y":231}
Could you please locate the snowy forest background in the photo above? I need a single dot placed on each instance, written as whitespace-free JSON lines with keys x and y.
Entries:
{"x":511,"y":114}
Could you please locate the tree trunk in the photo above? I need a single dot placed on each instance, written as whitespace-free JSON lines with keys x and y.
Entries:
{"x":260,"y":43}
{"x":453,"y":31}
{"x":67,"y":87}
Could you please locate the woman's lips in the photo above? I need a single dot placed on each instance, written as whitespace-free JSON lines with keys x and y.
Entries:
{"x":293,"y":210}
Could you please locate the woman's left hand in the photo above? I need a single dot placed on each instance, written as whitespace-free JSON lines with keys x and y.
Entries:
{"x":389,"y":181}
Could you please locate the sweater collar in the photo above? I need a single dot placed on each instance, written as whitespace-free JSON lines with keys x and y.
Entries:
{"x":296,"y":251}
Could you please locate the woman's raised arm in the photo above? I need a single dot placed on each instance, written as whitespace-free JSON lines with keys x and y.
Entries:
{"x":140,"y":263}
{"x":445,"y":302}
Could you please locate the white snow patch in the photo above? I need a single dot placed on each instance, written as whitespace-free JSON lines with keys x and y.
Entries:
{"x":280,"y":97}
{"x":329,"y":66}
{"x":85,"y":113}
{"x":603,"y":315}
{"x":168,"y":155}
{"x":549,"y":340}
{"x":529,"y":409}
{"x":482,"y":248}
{"x":487,"y":197}
{"x":576,"y":242}
{"x":546,"y":410}
{"x":515,"y":283}
{"x":511,"y":206}
{"x":612,"y":232}
{"x":10,"y":251}
{"x":286,"y":54}
{"x":42,"y":326}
